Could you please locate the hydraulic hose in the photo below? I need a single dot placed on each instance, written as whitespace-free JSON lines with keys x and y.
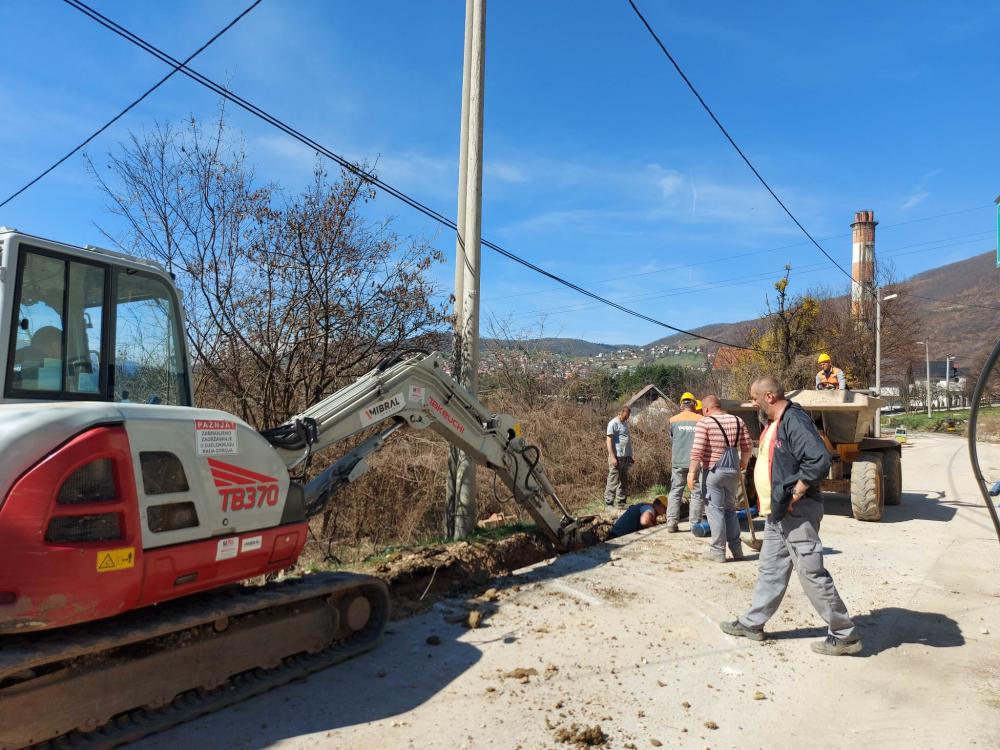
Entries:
{"x":977,"y":395}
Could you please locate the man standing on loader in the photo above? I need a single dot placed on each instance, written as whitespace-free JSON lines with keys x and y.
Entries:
{"x":681,"y":439}
{"x":829,"y":377}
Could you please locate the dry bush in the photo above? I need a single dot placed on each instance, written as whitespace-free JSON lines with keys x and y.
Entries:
{"x":401,"y":499}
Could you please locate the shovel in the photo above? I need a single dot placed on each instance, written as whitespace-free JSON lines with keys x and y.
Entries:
{"x":741,"y":495}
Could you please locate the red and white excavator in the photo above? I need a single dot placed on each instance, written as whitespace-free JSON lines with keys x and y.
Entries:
{"x":127,"y":514}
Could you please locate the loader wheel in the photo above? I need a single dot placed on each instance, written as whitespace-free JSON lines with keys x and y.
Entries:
{"x":866,"y":487}
{"x":892,"y":468}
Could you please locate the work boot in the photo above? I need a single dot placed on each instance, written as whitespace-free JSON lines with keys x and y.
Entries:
{"x":672,"y":528}
{"x":737,"y":553}
{"x":740,"y":630}
{"x":833,"y":646}
{"x":714,"y":555}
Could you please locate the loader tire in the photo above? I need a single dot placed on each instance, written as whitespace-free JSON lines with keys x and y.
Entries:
{"x":892,"y":485}
{"x":867,"y":487}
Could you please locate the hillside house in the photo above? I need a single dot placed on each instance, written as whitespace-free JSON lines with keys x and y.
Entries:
{"x":651,"y":404}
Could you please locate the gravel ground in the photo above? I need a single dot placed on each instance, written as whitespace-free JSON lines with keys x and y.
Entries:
{"x":619,"y":646}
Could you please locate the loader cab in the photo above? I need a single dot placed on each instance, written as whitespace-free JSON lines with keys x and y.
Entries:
{"x":86,"y":324}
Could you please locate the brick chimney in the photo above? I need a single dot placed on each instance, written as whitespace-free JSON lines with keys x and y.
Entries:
{"x":862,"y":264}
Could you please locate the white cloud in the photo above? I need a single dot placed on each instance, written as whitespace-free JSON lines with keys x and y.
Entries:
{"x":671,"y":183}
{"x":915,"y":199}
{"x":919,"y":193}
{"x":503,"y":171}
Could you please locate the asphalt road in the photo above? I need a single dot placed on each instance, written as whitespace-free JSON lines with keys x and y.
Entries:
{"x":625,"y":636}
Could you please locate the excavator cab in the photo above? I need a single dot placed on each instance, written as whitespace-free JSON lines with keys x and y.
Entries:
{"x":86,"y":324}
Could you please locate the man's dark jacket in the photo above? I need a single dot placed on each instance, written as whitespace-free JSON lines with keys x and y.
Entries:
{"x":799,"y":453}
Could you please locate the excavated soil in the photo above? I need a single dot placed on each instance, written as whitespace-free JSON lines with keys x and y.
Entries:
{"x":418,"y":579}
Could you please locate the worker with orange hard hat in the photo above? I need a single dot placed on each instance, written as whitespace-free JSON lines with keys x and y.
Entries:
{"x":829,"y":377}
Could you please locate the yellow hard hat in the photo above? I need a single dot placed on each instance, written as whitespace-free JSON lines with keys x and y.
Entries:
{"x":688,"y":396}
{"x":662,"y":499}
{"x":697,"y":405}
{"x":824,"y":357}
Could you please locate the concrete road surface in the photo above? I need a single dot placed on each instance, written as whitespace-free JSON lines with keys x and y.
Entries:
{"x":625,"y":636}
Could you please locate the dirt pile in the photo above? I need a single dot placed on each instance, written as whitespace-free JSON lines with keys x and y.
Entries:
{"x":417,"y":579}
{"x":582,"y":737}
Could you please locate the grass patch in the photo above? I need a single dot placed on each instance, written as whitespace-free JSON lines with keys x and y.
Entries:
{"x":922,"y":423}
{"x":681,"y":360}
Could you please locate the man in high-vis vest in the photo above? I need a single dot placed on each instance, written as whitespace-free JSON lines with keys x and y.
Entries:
{"x":829,"y":377}
{"x":681,"y":439}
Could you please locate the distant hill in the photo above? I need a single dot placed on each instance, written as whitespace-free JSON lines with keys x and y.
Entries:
{"x":735,"y":332}
{"x":962,"y":326}
{"x":955,"y":327}
{"x":571,"y":347}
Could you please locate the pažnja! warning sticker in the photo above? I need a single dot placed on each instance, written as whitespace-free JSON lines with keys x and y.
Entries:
{"x":215,"y":437}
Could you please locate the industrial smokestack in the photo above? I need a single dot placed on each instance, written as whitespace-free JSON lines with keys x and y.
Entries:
{"x":862,"y":264}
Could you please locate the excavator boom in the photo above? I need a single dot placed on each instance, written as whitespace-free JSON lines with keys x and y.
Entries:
{"x":418,"y":393}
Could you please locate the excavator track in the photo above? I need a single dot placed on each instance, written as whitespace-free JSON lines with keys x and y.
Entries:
{"x":109,"y":683}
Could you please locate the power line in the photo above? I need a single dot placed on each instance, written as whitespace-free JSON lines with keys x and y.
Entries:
{"x":890,"y":253}
{"x":369,"y":177}
{"x":743,"y":280}
{"x":121,"y":114}
{"x":734,"y":144}
{"x":753,"y":169}
{"x":938,"y":216}
{"x":398,"y":194}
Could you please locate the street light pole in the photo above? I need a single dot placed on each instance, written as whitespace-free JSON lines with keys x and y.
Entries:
{"x":927,"y":347}
{"x":947,"y":383}
{"x":879,"y":299}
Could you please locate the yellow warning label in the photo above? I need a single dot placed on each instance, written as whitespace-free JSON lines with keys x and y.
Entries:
{"x":115,"y":559}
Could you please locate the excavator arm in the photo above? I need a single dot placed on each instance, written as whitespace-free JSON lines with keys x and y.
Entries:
{"x":417,"y":393}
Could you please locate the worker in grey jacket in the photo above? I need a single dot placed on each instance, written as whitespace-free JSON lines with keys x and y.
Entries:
{"x":681,"y":439}
{"x":792,"y":454}
{"x":619,"y":446}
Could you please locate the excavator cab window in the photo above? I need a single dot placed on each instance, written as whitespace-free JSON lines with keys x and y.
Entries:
{"x":94,"y":331}
{"x":149,"y":364}
{"x":56,"y":349}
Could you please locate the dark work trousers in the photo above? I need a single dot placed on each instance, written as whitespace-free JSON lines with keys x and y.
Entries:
{"x":678,"y":481}
{"x":793,"y":542}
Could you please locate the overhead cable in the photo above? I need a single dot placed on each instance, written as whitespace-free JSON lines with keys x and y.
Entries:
{"x":734,"y":144}
{"x":371,"y":178}
{"x":121,"y":114}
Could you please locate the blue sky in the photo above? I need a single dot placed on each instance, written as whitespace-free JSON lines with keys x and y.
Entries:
{"x":600,"y":164}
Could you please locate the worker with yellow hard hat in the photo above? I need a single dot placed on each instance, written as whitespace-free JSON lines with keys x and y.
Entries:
{"x":829,"y":377}
{"x":681,"y":439}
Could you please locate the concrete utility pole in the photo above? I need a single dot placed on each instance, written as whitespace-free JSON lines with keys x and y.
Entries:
{"x":462,"y":513}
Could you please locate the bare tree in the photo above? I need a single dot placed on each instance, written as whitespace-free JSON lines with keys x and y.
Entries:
{"x":285,"y":298}
{"x":850,"y":340}
{"x":784,"y":344}
{"x":518,"y":367}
